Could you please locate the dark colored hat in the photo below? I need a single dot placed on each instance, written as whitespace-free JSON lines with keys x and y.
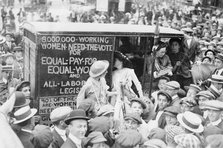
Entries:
{"x":175,"y":40}
{"x":129,"y":138}
{"x":206,"y":58}
{"x":169,"y":98}
{"x":157,"y":133}
{"x":96,"y":137}
{"x":20,"y":100}
{"x":9,"y":33}
{"x":87,"y":105}
{"x":209,"y":51}
{"x":76,"y":114}
{"x":164,"y":78}
{"x":172,"y":111}
{"x":133,"y":116}
{"x":140,"y":101}
{"x":17,"y":48}
{"x":21,"y":85}
{"x":101,"y":124}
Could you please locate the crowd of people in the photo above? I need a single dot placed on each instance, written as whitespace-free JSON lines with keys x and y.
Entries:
{"x":184,"y":110}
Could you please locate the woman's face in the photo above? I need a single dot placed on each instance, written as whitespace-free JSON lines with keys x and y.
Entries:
{"x":160,"y":53}
{"x":175,"y":47}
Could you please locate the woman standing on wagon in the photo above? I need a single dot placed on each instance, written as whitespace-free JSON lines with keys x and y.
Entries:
{"x":95,"y":87}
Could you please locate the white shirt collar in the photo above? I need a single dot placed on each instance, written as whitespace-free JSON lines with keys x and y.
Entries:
{"x":26,"y":130}
{"x":61,"y":132}
{"x":215,"y":123}
{"x":75,"y":140}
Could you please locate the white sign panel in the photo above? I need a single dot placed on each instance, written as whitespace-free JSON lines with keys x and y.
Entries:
{"x":102,"y":5}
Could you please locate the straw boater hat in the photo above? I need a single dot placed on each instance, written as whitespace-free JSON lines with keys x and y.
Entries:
{"x":219,"y":56}
{"x":98,"y":68}
{"x":206,"y":94}
{"x":216,"y":78}
{"x":190,"y":121}
{"x":24,"y":114}
{"x":213,"y":105}
{"x":214,"y":91}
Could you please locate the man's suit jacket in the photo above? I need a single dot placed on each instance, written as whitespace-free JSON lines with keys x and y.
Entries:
{"x":69,"y":144}
{"x":25,"y":138}
{"x":192,"y":49}
{"x":57,"y":140}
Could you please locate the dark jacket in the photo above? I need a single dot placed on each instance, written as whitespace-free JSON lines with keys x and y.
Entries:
{"x":57,"y":140}
{"x":70,"y":144}
{"x":25,"y":138}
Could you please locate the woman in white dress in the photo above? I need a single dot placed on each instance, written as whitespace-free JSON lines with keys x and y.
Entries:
{"x":123,"y":78}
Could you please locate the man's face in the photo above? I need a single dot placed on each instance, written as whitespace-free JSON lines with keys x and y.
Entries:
{"x":26,"y":91}
{"x":131,"y":124}
{"x":191,"y":93}
{"x":8,"y":38}
{"x":78,"y":128}
{"x":214,"y":115}
{"x":136,"y":107}
{"x":175,"y":47}
{"x":218,"y":63}
{"x":161,"y":84}
{"x":202,"y":99}
{"x":162,"y":102}
{"x":170,"y":120}
{"x":18,"y":54}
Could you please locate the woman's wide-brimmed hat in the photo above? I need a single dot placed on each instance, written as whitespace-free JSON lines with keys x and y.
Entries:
{"x":24,"y":114}
{"x":190,"y":121}
{"x":98,"y":68}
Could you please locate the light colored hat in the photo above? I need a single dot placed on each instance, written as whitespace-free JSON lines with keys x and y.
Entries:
{"x":189,"y":30}
{"x":133,"y":116}
{"x":187,"y":141}
{"x":190,"y":121}
{"x":194,"y":87}
{"x":106,"y":109}
{"x":214,"y":91}
{"x":172,"y":85}
{"x":98,"y":68}
{"x":96,"y":137}
{"x":24,"y":114}
{"x":155,"y":143}
{"x":60,"y":113}
{"x":213,"y":105}
{"x":189,"y":101}
{"x":206,"y":94}
{"x":217,"y":78}
{"x":172,"y":111}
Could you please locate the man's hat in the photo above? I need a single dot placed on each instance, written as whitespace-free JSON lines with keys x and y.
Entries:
{"x":214,"y":91}
{"x":172,"y":111}
{"x":209,"y":50}
{"x":216,"y":78}
{"x":96,"y":137}
{"x":17,"y":48}
{"x":189,"y":101}
{"x":169,"y":98}
{"x":140,"y":101}
{"x":60,"y":113}
{"x":106,"y":109}
{"x":172,"y":131}
{"x":213,"y":105}
{"x":76,"y":114}
{"x":20,"y":100}
{"x":155,"y":143}
{"x":98,"y":68}
{"x":206,"y":94}
{"x":24,"y":114}
{"x":215,"y":141}
{"x":133,"y":116}
{"x":172,"y":85}
{"x":194,"y":87}
{"x":190,"y":121}
{"x":206,"y":58}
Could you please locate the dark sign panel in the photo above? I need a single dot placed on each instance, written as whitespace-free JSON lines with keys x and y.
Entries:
{"x":64,"y":64}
